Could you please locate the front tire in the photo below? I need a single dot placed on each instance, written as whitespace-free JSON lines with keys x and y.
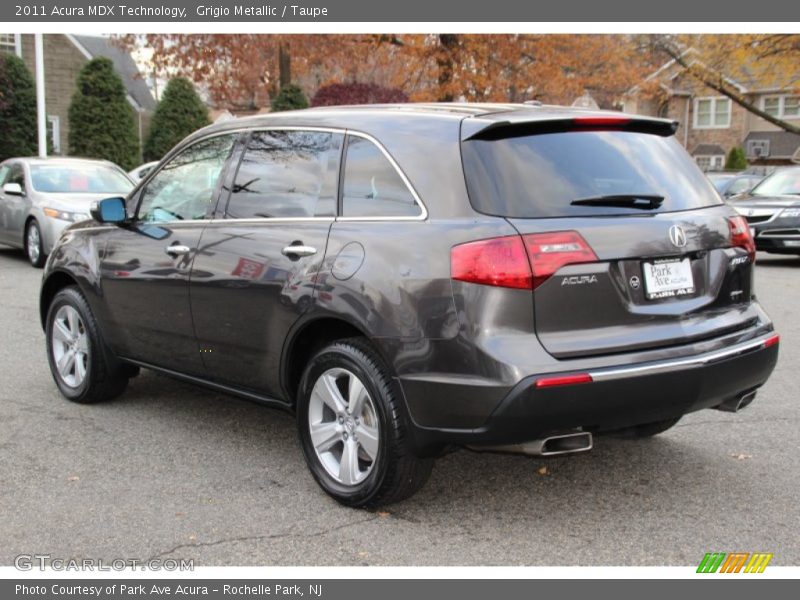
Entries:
{"x":353,"y":429}
{"x":79,"y":361}
{"x":34,"y":245}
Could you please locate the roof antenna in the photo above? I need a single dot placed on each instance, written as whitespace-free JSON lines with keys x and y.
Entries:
{"x":532,"y":103}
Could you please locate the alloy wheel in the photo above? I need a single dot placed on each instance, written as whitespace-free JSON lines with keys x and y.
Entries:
{"x":343,"y":426}
{"x":70,"y":346}
{"x":34,"y":243}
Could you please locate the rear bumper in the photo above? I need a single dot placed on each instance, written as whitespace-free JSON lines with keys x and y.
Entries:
{"x":618,"y":397}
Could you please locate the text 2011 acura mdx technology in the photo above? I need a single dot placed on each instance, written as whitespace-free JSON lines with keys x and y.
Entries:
{"x":418,"y":277}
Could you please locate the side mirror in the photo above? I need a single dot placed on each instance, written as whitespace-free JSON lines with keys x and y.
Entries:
{"x":109,"y":210}
{"x":13,"y":189}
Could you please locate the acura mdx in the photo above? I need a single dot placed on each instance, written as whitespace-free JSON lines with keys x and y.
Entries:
{"x":409,"y":279}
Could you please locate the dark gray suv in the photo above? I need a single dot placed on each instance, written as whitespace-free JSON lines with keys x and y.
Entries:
{"x":413,"y":278}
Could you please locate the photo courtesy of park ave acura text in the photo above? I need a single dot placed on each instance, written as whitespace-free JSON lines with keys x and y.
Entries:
{"x":352,"y":299}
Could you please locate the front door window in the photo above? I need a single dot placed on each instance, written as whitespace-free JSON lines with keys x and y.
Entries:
{"x":183,"y":190}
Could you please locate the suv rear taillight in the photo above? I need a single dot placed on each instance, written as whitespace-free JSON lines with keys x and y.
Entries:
{"x":499,"y":261}
{"x":548,"y":252}
{"x":521,"y":262}
{"x":741,"y":237}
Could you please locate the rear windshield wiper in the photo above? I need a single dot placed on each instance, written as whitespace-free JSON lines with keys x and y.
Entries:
{"x":643,"y":201}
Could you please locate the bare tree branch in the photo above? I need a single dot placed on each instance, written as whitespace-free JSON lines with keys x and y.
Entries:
{"x":717,"y":81}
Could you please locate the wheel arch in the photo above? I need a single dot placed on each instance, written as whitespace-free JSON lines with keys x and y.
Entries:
{"x":308,"y":337}
{"x":54,"y":283}
{"x":28,"y":219}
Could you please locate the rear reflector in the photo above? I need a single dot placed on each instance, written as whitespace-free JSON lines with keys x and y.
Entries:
{"x":521,"y":262}
{"x":771,"y":341}
{"x":740,"y":236}
{"x":546,"y":382}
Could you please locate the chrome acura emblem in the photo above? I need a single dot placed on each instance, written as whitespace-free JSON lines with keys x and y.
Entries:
{"x":677,"y":236}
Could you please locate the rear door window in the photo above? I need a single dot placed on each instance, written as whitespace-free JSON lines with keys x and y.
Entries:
{"x":372,"y":185}
{"x":287,"y":174}
{"x":540,"y":175}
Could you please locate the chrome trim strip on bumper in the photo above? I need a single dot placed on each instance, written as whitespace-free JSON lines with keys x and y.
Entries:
{"x":682,"y":363}
{"x":789,"y":232}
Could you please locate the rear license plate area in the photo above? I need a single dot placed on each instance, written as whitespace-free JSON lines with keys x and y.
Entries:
{"x":668,"y":278}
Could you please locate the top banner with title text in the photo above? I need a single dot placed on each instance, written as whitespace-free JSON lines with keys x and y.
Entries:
{"x":439,"y":11}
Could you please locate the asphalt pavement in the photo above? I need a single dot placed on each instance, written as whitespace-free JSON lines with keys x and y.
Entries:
{"x":171,"y":470}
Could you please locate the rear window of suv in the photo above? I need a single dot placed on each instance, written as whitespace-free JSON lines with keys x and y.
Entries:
{"x":540,"y":175}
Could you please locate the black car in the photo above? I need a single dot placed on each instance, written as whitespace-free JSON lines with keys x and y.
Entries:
{"x":413,"y":278}
{"x":772,"y":210}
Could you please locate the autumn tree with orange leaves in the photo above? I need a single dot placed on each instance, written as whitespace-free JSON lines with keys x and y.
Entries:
{"x":242,"y":71}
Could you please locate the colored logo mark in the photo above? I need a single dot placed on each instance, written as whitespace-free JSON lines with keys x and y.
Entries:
{"x":734,"y":562}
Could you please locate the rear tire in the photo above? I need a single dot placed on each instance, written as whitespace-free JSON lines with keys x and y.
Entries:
{"x":645,"y":431}
{"x":34,"y":245}
{"x":83,"y":368}
{"x":353,"y":428}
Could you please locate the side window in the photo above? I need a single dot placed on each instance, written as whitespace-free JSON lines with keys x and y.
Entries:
{"x":372,"y":186}
{"x":287,"y":174}
{"x":187,"y":184}
{"x":16,"y":174}
{"x":740,"y":185}
{"x":3,"y":172}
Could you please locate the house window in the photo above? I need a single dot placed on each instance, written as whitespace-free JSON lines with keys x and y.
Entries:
{"x":54,"y":133}
{"x":9,"y":42}
{"x":712,"y":113}
{"x":710,"y":163}
{"x":772,"y":106}
{"x":782,"y":106}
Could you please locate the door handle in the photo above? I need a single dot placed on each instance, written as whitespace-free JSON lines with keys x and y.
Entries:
{"x":177,"y":249}
{"x":299,"y":250}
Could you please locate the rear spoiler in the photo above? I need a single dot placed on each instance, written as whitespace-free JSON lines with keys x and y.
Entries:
{"x":479,"y":129}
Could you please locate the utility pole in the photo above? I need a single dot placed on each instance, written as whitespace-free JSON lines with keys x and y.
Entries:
{"x":41,"y":119}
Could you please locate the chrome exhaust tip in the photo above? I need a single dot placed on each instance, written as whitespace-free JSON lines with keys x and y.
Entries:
{"x":554,"y":445}
{"x":736,"y":404}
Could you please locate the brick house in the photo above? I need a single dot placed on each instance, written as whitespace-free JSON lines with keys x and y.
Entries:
{"x":64,"y":56}
{"x":711,"y":125}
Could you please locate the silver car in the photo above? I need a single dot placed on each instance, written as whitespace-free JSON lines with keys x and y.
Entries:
{"x":39,"y":197}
